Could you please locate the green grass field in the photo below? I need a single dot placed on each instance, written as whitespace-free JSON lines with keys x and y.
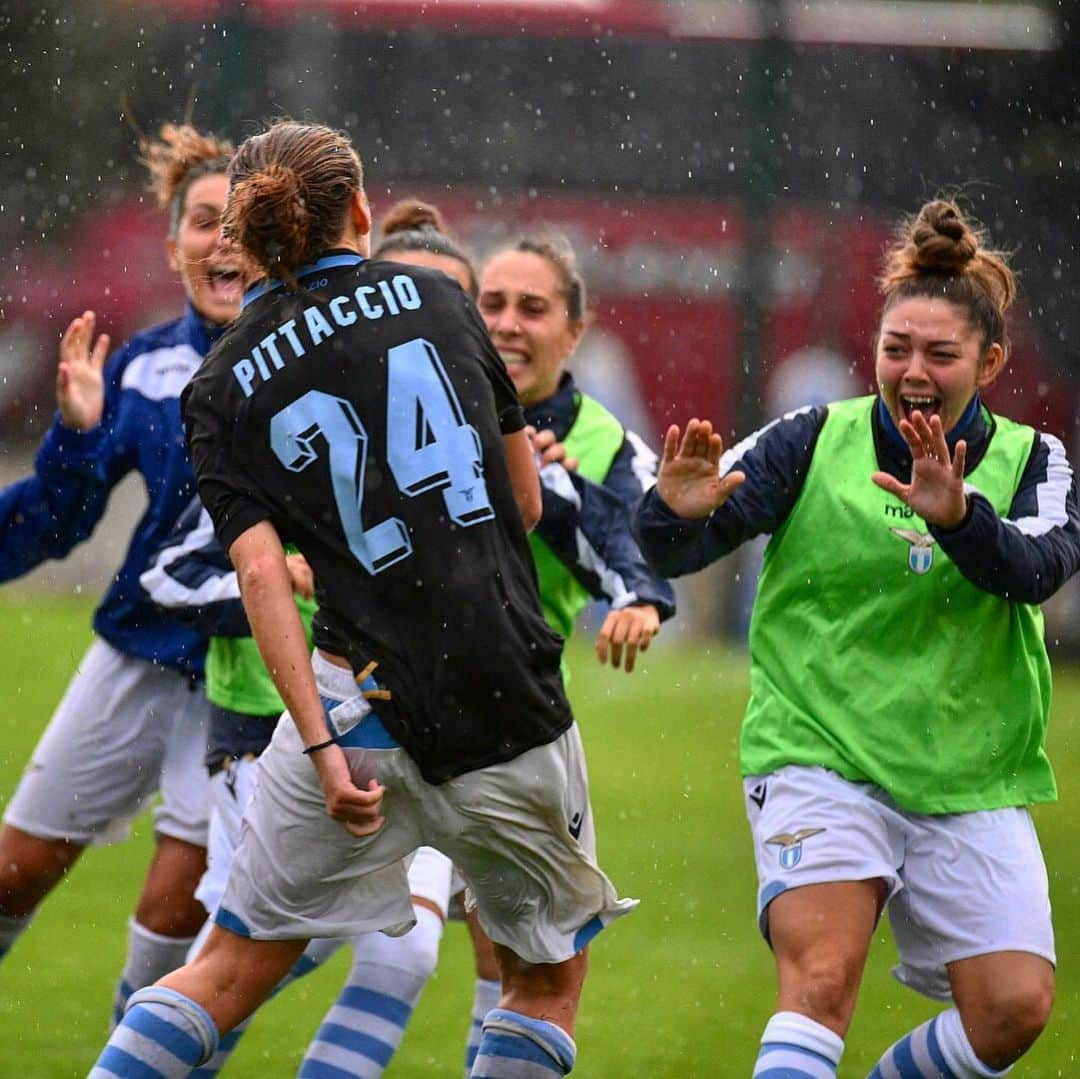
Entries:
{"x":679,"y":989}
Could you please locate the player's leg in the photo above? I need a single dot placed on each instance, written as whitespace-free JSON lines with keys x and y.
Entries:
{"x":522,"y":835}
{"x":530,"y":1035}
{"x":974,"y":926}
{"x":364,"y":1028}
{"x":820,"y":936}
{"x":30,"y":867}
{"x":93,"y":769}
{"x":826,"y":856}
{"x":167,"y":914}
{"x":487,"y":989}
{"x":172,"y":1027}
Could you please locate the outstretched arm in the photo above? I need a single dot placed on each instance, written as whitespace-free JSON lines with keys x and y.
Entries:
{"x":50,"y":512}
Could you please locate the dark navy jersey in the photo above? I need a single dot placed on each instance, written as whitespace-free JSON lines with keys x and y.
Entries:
{"x":1026,"y":556}
{"x":364,"y":416}
{"x":47,"y":514}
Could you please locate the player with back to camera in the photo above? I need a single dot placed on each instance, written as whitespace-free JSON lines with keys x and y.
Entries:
{"x":132,"y":719}
{"x":192,"y":575}
{"x":900,"y":685}
{"x":362,"y":413}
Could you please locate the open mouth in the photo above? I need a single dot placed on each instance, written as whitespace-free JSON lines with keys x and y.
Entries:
{"x":924,"y":403}
{"x":225,"y":284}
{"x":514,"y":361}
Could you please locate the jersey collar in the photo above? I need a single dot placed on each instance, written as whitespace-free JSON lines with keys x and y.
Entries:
{"x":327,"y":262}
{"x":201,"y":334}
{"x":557,"y":412}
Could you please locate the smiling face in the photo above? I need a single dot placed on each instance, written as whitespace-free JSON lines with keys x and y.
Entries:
{"x":210,"y":278}
{"x":523,"y":302}
{"x":931,"y":359}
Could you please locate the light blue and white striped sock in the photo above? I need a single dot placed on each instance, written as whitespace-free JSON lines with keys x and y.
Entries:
{"x":163,"y":1035}
{"x":315,"y":954}
{"x":516,"y":1046}
{"x":150,"y":956}
{"x":795,"y":1046}
{"x":939,"y":1049}
{"x":363,"y":1029}
{"x":11,"y":928}
{"x":486,"y":995}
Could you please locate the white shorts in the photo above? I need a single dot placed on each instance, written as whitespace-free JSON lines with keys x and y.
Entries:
{"x":959,"y":884}
{"x":521,"y":833}
{"x":230,"y":792}
{"x":124,"y":730}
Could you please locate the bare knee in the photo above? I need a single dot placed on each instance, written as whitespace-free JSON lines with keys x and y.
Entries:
{"x":167,"y":904}
{"x":822,"y":986}
{"x":487,"y":965}
{"x":30,"y":867}
{"x":1007,"y":1019}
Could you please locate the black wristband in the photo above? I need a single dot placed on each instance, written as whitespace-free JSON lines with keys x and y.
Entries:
{"x":322,"y":745}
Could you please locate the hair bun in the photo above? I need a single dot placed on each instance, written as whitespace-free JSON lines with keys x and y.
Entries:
{"x":942,"y":239}
{"x":409,"y":215}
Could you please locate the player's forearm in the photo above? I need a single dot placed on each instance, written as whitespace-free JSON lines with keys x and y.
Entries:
{"x":275,"y":622}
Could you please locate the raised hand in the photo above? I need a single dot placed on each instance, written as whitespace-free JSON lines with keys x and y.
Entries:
{"x":80,"y":380}
{"x":628,"y":631}
{"x":936,"y":491}
{"x":689,"y":479}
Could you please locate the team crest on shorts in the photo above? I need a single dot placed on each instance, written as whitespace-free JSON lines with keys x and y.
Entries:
{"x":920,"y":556}
{"x":790,"y":844}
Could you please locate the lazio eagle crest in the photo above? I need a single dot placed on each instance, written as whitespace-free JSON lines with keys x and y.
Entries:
{"x":920,"y":556}
{"x":790,"y":844}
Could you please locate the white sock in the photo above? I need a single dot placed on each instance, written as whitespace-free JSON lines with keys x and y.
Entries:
{"x":363,"y":1029}
{"x":486,"y":996}
{"x":150,"y":956}
{"x":798,"y":1047}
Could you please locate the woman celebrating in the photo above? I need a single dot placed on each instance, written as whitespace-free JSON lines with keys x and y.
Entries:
{"x":532,"y":299}
{"x":359,"y":410}
{"x":899,"y":682}
{"x":131,"y":721}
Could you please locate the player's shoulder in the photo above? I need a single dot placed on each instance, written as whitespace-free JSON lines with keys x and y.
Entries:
{"x":156,"y":363}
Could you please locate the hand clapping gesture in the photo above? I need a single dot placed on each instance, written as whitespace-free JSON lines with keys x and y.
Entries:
{"x":689,"y":479}
{"x":80,"y":381}
{"x":936,"y":490}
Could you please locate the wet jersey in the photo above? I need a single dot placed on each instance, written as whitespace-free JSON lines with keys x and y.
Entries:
{"x":363,"y":417}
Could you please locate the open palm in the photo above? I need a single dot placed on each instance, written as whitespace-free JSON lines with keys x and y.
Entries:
{"x":689,"y":479}
{"x":936,"y":490}
{"x":80,"y":380}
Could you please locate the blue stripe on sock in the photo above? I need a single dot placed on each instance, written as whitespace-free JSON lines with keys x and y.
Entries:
{"x":120,"y":1063}
{"x":934,"y":1048}
{"x":319,"y":1069}
{"x":516,"y":1047}
{"x":160,"y":1031}
{"x":792,"y":1048}
{"x":356,"y":1041}
{"x":470,"y":1057}
{"x":876,"y":1073}
{"x":903,"y":1057}
{"x":782,"y":1073}
{"x":381,"y":1004}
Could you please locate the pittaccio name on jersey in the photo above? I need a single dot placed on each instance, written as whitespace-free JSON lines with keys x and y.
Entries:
{"x":318,"y":322}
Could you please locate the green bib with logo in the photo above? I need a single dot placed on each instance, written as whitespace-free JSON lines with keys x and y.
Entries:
{"x":874,"y":657}
{"x":594,"y":439}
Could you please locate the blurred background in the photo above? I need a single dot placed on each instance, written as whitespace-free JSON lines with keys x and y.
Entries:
{"x":727,"y":171}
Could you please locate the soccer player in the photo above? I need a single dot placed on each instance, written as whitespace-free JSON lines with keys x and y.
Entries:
{"x":359,"y":410}
{"x":133,"y":718}
{"x":899,"y":681}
